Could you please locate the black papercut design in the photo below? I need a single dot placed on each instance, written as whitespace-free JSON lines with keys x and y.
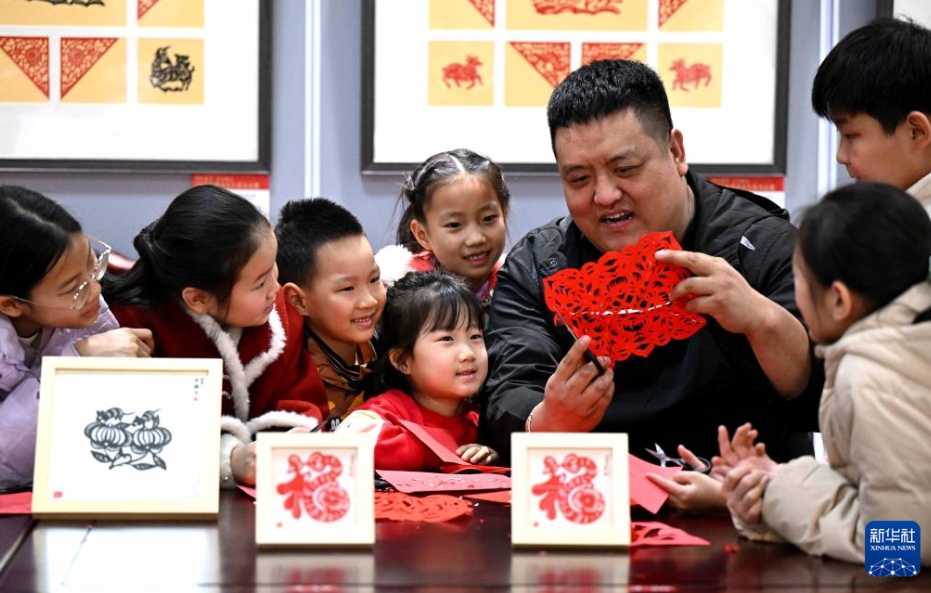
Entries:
{"x":115,"y":441}
{"x":171,"y":77}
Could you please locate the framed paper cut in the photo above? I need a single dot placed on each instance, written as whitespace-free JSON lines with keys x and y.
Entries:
{"x":314,"y":489}
{"x":569,"y":489}
{"x":444,"y":74}
{"x":124,"y":85}
{"x":128,"y":438}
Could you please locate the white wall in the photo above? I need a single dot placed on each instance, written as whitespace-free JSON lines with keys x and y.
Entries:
{"x":115,"y":206}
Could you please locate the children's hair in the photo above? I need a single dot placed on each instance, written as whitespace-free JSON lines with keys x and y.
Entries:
{"x":437,"y":171}
{"x":881,"y":69}
{"x":605,"y":87}
{"x":418,"y":303}
{"x":873,"y":237}
{"x":303,"y":227}
{"x":203,"y":240}
{"x":34,"y":233}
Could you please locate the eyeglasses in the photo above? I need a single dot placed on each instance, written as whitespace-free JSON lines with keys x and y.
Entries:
{"x":79,"y":298}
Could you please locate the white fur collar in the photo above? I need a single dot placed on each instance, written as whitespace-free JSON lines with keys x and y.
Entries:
{"x":241,"y":377}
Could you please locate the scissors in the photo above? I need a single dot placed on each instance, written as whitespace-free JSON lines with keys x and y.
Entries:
{"x":666,"y":460}
{"x":589,"y":355}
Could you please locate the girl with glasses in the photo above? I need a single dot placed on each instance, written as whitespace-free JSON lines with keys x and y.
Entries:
{"x":206,"y":284}
{"x":50,"y":304}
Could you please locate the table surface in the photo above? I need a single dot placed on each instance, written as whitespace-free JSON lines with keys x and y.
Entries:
{"x":468,"y":554}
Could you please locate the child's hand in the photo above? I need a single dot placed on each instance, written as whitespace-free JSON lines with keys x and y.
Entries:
{"x":745,"y":484}
{"x":477,"y":454}
{"x":732,"y":451}
{"x":691,"y":492}
{"x":242,"y":462}
{"x":125,"y":341}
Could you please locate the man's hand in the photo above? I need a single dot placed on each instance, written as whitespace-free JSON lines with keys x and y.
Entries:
{"x":125,"y":341}
{"x":575,"y":398}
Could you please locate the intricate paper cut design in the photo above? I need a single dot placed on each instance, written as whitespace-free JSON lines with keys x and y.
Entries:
{"x":143,"y":6}
{"x":577,"y":6}
{"x":608,"y":51}
{"x":435,"y":508}
{"x":570,"y":489}
{"x":692,"y":74}
{"x":116,"y":442}
{"x":654,"y":533}
{"x":463,"y":73}
{"x":30,"y":54}
{"x":551,"y":60}
{"x":169,"y":76}
{"x":71,"y":2}
{"x":486,"y":8}
{"x":622,"y":300}
{"x":78,"y":55}
{"x":314,"y":488}
{"x":667,"y":8}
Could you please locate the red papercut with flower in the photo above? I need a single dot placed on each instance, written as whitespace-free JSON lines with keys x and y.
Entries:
{"x":570,"y":490}
{"x":622,"y":300}
{"x":314,"y":488}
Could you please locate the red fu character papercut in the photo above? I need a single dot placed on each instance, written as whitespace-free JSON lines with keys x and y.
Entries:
{"x":622,"y":300}
{"x":314,"y":488}
{"x":570,"y":490}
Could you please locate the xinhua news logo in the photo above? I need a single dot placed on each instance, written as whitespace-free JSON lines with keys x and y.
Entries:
{"x":893,"y":548}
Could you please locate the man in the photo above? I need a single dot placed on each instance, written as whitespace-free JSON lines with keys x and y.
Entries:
{"x":875,"y":85}
{"x":624,"y":174}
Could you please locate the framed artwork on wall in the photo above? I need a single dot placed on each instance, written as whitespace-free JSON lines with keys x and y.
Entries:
{"x":919,"y":10}
{"x":135,"y":85}
{"x":444,"y":74}
{"x":570,"y":489}
{"x":128,"y":438}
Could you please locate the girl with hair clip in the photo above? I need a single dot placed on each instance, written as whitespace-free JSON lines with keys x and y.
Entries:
{"x":861,"y":282}
{"x":50,"y":305}
{"x":206,"y":284}
{"x":457,"y":205}
{"x":432,"y":361}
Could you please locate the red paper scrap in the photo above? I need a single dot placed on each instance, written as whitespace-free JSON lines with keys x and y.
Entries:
{"x":19,"y":503}
{"x":443,"y":482}
{"x":435,"y":508}
{"x":654,"y":533}
{"x":644,"y":492}
{"x":499,"y":496}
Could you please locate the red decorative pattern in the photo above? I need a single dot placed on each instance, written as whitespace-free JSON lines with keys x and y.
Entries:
{"x":551,"y":60}
{"x":78,"y":55}
{"x":486,"y":8}
{"x":435,"y":508}
{"x":30,"y":54}
{"x":577,"y":6}
{"x":667,"y":8}
{"x":143,"y":6}
{"x":692,"y":74}
{"x":608,"y":51}
{"x":622,"y":300}
{"x":314,"y":488}
{"x":569,"y":488}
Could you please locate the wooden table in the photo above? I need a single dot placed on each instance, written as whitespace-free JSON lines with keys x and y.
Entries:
{"x":467,"y":555}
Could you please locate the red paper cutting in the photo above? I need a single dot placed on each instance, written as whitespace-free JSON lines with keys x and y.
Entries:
{"x":622,"y":300}
{"x":643,"y":492}
{"x":486,"y":8}
{"x":667,"y":8}
{"x":143,"y":6}
{"x":436,"y":508}
{"x":577,"y":6}
{"x":654,"y":533}
{"x":410,"y":482}
{"x":608,"y":51}
{"x":30,"y":54}
{"x":550,"y":60}
{"x":78,"y":55}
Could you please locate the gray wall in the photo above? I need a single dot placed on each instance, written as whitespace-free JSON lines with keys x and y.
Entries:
{"x":115,"y":206}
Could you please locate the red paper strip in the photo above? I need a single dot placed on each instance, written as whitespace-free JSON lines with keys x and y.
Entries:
{"x":19,"y":503}
{"x":644,"y":492}
{"x":443,"y":482}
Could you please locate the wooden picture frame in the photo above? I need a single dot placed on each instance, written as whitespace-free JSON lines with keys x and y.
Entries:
{"x":445,"y":74}
{"x":128,"y":438}
{"x":314,"y":489}
{"x":570,"y":490}
{"x":123,"y":85}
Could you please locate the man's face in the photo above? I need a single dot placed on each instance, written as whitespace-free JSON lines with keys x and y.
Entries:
{"x":869,"y":154}
{"x":620,"y":182}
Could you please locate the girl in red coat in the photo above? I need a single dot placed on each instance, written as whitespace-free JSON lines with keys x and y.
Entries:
{"x":206,"y":284}
{"x":432,"y":360}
